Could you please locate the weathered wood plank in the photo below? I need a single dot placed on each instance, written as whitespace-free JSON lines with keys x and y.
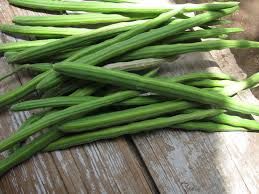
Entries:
{"x":242,"y":147}
{"x":193,"y":162}
{"x":178,"y":162}
{"x":197,"y":162}
{"x":106,"y":167}
{"x":40,"y":173}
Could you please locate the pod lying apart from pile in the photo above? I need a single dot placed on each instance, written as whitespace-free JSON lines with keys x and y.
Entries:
{"x":83,"y":98}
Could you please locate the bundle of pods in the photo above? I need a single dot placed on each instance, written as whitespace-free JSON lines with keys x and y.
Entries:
{"x":97,"y":73}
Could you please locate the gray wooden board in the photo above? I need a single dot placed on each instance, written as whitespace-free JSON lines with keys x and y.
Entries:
{"x":196,"y":162}
{"x":110,"y":166}
{"x":177,"y":162}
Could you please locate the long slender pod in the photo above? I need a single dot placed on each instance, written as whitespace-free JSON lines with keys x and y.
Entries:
{"x":27,"y":151}
{"x":52,"y":80}
{"x":106,"y":7}
{"x":162,"y":51}
{"x":39,"y":31}
{"x":68,"y":113}
{"x":89,"y":90}
{"x":141,"y":126}
{"x":223,"y":85}
{"x":22,"y":91}
{"x":70,"y":42}
{"x":69,"y":101}
{"x":230,"y":120}
{"x":208,"y":83}
{"x":202,"y":34}
{"x":144,"y":38}
{"x":209,"y":127}
{"x":150,"y":37}
{"x":22,"y":45}
{"x":236,"y":121}
{"x":66,"y":101}
{"x":192,"y":35}
{"x":195,"y":76}
{"x":39,"y":67}
{"x":250,"y":82}
{"x":53,"y":102}
{"x":124,"y":36}
{"x":129,"y":80}
{"x":28,"y":122}
{"x":72,"y":20}
{"x":124,"y":116}
{"x":147,"y":38}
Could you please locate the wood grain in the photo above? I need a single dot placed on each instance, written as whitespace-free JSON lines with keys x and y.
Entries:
{"x":40,"y":173}
{"x":166,"y":161}
{"x":203,"y":163}
{"x":198,"y":162}
{"x":109,"y":167}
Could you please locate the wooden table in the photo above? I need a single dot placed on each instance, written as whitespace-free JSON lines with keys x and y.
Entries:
{"x":166,"y":161}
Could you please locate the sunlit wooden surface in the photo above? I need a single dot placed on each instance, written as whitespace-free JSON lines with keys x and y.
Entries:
{"x":165,"y":161}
